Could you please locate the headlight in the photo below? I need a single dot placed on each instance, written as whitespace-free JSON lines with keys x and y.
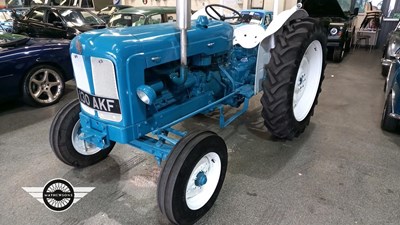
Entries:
{"x":334,"y":31}
{"x":146,"y":94}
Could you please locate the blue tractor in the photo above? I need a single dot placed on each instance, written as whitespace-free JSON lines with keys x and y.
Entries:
{"x":134,"y":84}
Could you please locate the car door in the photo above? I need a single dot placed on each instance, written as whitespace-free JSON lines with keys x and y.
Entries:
{"x":35,"y":22}
{"x":8,"y":77}
{"x":54,"y":26}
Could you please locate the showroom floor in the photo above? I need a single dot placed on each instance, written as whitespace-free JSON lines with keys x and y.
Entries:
{"x":343,"y":170}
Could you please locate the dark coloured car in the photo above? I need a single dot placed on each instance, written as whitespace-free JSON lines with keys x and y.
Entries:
{"x":142,"y":15}
{"x":389,"y":51}
{"x":93,"y":5}
{"x":391,"y":111}
{"x":19,"y":12}
{"x":35,"y":69}
{"x":391,"y":69}
{"x":105,"y":13}
{"x":339,"y":19}
{"x":57,"y":22}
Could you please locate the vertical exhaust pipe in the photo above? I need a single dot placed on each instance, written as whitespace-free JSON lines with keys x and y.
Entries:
{"x":183,"y":13}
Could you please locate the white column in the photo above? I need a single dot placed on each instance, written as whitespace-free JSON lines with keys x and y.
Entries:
{"x":276,"y":7}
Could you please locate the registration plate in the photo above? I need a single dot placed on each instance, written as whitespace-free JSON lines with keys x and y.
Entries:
{"x":99,"y":103}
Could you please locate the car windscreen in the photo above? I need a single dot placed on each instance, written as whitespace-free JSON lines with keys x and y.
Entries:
{"x":14,"y":3}
{"x":345,"y":5}
{"x":126,"y":20}
{"x":80,"y":17}
{"x":10,"y":40}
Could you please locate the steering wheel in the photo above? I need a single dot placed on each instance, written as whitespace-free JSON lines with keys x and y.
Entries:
{"x":222,"y":17}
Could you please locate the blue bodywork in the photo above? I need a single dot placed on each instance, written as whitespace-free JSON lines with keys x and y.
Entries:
{"x":218,"y":74}
{"x":16,"y":61}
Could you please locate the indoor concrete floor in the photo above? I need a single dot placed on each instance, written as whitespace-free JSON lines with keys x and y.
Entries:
{"x":343,"y":170}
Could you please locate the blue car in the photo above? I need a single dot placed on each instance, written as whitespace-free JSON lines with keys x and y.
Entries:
{"x":391,"y":110}
{"x":35,"y":69}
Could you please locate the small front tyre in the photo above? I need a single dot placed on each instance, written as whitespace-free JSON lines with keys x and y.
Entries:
{"x":65,"y":142}
{"x":192,"y":177}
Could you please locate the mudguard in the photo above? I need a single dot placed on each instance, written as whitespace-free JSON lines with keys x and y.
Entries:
{"x":268,"y":41}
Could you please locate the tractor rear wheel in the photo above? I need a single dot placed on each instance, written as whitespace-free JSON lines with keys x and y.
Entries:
{"x":65,"y":142}
{"x":192,"y":177}
{"x":295,"y":74}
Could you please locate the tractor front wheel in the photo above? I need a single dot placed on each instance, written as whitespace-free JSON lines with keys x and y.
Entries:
{"x":65,"y":141}
{"x":192,"y":177}
{"x":295,"y":74}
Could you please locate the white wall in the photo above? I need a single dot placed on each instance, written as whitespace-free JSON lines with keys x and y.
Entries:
{"x":198,"y":4}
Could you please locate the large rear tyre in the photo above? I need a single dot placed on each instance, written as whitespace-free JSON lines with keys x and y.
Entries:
{"x":65,"y":142}
{"x":388,"y":123}
{"x":192,"y":177}
{"x":295,"y":74}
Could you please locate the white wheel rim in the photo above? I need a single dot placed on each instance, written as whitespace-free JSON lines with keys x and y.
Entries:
{"x":81,"y":146}
{"x":307,"y":80}
{"x":198,"y":195}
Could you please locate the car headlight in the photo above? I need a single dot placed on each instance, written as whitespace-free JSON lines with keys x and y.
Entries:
{"x":146,"y":94}
{"x":334,"y":31}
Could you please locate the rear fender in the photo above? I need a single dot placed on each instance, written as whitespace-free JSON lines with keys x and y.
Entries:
{"x":393,"y":89}
{"x":268,"y":41}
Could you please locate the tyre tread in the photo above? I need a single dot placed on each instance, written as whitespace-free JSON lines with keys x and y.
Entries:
{"x":277,"y":110}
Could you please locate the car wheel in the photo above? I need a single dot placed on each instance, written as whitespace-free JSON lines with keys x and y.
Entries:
{"x":384,"y":86}
{"x":348,"y":45}
{"x":388,"y":123}
{"x":43,"y":86}
{"x":338,"y":53}
{"x":385,"y":71}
